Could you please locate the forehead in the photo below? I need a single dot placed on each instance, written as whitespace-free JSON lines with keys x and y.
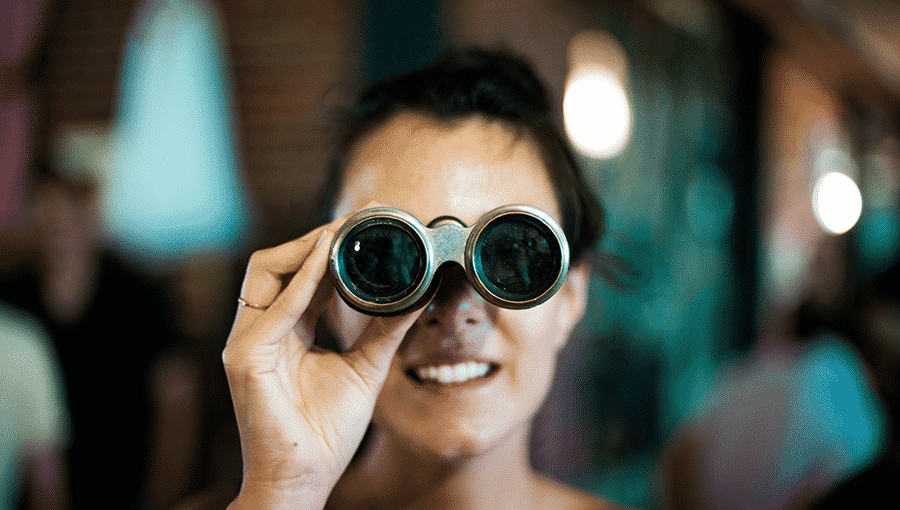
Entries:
{"x":430,"y":169}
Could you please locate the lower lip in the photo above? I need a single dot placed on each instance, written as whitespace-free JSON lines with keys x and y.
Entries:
{"x":471,"y":383}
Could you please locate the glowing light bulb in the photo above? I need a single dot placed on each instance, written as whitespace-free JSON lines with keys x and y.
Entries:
{"x":596,"y":112}
{"x":837,"y":202}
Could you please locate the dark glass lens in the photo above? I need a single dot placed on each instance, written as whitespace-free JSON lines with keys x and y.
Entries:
{"x":383,"y":261}
{"x":519,"y":257}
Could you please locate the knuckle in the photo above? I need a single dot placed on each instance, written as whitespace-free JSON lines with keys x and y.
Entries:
{"x":258,"y":257}
{"x":279,"y":306}
{"x":231,"y":360}
{"x":387,"y":328}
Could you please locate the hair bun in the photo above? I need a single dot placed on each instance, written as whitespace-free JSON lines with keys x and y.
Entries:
{"x":462,"y":82}
{"x":499,"y":77}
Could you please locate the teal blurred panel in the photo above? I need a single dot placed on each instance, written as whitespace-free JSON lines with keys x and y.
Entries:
{"x":681,"y":200}
{"x":170,"y":180}
{"x":400,"y":36}
{"x":878,"y":239}
{"x":836,"y":406}
{"x":674,"y":212}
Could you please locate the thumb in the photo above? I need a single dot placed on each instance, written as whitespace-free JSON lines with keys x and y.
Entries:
{"x":372,"y":353}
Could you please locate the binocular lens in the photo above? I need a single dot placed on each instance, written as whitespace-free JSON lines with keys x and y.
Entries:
{"x":517,"y":259}
{"x":383,"y":261}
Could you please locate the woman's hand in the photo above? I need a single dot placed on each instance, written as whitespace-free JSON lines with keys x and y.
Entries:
{"x":301,"y":410}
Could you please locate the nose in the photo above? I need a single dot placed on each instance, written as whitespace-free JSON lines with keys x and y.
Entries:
{"x":457,"y":310}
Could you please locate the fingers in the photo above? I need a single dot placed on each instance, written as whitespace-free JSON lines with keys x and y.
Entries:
{"x":256,"y":343}
{"x":268,"y":268}
{"x":287,"y":308}
{"x":257,"y":334}
{"x":372,"y":353}
{"x":257,"y":349}
{"x":304,"y":261}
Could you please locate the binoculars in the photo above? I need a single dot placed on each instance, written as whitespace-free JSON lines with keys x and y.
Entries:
{"x":384,"y":261}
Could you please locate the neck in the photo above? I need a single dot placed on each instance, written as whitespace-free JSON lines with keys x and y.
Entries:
{"x":388,"y":474}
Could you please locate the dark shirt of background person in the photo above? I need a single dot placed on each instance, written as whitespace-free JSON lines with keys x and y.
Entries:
{"x":107,"y":322}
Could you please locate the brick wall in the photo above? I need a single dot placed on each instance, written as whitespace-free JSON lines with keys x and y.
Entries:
{"x":289,"y":59}
{"x":80,"y":51}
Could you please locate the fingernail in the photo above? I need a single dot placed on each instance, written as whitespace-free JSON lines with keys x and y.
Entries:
{"x":321,"y":236}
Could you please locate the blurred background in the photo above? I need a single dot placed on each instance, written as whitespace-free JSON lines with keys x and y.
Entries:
{"x":747,"y":153}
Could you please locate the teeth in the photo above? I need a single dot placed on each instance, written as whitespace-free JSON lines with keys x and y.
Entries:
{"x":445,"y":374}
{"x":460,"y":372}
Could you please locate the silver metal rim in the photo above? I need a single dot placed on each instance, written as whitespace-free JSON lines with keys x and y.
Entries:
{"x":543,"y":218}
{"x":376,"y":213}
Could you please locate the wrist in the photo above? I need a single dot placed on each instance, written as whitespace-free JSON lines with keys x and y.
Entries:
{"x":262,"y":497}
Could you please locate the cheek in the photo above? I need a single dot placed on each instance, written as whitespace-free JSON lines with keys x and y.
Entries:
{"x":537,"y":329}
{"x":346,"y":323}
{"x":535,"y":338}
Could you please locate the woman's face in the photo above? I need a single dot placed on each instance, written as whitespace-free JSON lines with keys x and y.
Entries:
{"x":464,"y":170}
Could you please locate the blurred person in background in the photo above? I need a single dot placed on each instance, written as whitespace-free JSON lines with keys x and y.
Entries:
{"x":212,"y":451}
{"x":878,"y":340}
{"x":797,"y":415}
{"x":109,"y":326}
{"x":34,"y":419}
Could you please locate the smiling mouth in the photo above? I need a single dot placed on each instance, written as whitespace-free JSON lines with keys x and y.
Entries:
{"x":456,"y":374}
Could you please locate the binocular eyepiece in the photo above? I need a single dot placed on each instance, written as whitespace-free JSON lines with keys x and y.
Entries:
{"x":384,"y":260}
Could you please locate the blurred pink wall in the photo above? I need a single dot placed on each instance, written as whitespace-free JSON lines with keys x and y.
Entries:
{"x":19,"y":28}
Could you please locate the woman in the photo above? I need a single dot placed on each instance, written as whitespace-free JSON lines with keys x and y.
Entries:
{"x":460,"y":138}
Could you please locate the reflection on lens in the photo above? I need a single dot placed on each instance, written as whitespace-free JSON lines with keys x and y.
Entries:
{"x":383,"y":261}
{"x":517,"y":258}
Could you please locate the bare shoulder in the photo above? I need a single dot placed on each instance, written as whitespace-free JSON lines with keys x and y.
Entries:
{"x":558,"y":495}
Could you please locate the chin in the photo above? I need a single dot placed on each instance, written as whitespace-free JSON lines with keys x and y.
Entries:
{"x":444,"y":447}
{"x":450,"y":450}
{"x":450,"y":439}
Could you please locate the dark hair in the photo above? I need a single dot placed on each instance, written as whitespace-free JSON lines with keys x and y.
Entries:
{"x":492,"y":84}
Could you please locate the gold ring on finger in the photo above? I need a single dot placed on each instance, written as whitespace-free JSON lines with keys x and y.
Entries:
{"x":244,"y":302}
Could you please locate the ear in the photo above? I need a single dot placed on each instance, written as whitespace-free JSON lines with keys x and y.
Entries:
{"x":573,"y":300}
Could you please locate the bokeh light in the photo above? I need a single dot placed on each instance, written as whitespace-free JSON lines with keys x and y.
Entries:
{"x":596,"y":110}
{"x":597,"y":114}
{"x":593,"y":48}
{"x":837,"y":202}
